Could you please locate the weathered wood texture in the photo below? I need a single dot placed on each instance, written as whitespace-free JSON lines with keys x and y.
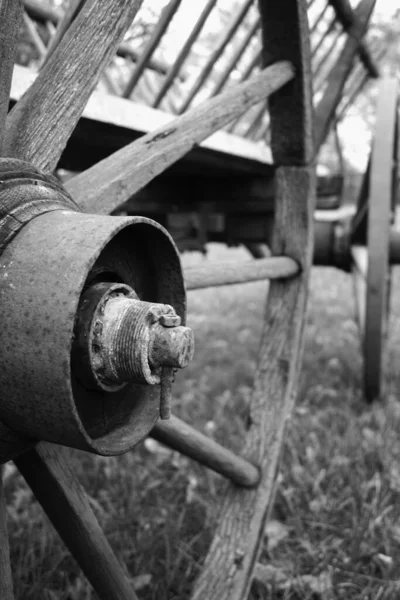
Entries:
{"x":180,"y":436}
{"x":48,"y":472}
{"x":113,"y":181}
{"x":325,"y":111}
{"x":6,"y":584}
{"x":234,"y":551}
{"x":64,"y":24}
{"x":212,"y":275}
{"x":39,"y":126}
{"x":10,"y":18}
{"x":283,"y":27}
{"x":151,"y":45}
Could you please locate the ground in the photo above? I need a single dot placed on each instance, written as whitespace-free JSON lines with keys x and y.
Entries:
{"x":335,"y":527}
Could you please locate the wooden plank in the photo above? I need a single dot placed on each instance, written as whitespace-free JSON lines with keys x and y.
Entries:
{"x":6,"y":584}
{"x":114,"y":180}
{"x":216,"y":53}
{"x":291,"y":107}
{"x":10,"y":19}
{"x":187,"y":440}
{"x":151,"y":45}
{"x":274,"y":267}
{"x":325,"y":111}
{"x":235,"y":153}
{"x":49,"y":473}
{"x":184,"y":52}
{"x":39,"y":126}
{"x":229,"y":564}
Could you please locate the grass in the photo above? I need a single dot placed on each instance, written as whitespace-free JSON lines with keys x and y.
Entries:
{"x":335,"y":527}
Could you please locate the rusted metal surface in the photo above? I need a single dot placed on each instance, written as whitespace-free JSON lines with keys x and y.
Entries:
{"x":44,"y":271}
{"x":120,"y":339}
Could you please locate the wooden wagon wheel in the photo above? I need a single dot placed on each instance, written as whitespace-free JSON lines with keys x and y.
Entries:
{"x":371,"y":238}
{"x":36,"y":131}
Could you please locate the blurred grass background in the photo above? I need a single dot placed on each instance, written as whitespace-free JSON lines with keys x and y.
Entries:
{"x":335,"y":528}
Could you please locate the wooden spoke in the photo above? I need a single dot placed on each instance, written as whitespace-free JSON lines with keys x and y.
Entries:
{"x":113,"y":181}
{"x":183,"y":54}
{"x":180,"y":436}
{"x":10,"y":18}
{"x":6,"y":585}
{"x":233,"y":554}
{"x":274,"y":267}
{"x":41,"y":122}
{"x":208,"y":67}
{"x":49,"y":474}
{"x":326,"y":108}
{"x":71,"y":13}
{"x":159,"y":30}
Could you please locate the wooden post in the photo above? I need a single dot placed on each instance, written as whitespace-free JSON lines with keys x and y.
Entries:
{"x":325,"y":111}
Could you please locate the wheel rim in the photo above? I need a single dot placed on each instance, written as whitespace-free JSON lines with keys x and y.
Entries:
{"x":370,"y":238}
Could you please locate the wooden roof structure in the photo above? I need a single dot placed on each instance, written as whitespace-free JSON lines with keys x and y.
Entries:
{"x":171,"y":63}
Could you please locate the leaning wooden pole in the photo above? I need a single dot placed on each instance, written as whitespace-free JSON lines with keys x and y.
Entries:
{"x":326,"y":109}
{"x":234,"y":552}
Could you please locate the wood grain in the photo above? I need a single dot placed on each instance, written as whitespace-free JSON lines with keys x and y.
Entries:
{"x":111,"y":182}
{"x":180,"y":436}
{"x":73,"y":8}
{"x":6,"y":584}
{"x":48,"y":472}
{"x":39,"y":126}
{"x":234,"y":551}
{"x":10,"y":18}
{"x":213,"y":275}
{"x":285,"y":37}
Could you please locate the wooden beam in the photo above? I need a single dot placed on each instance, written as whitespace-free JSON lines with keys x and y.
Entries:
{"x":291,"y":107}
{"x":218,"y":274}
{"x":39,"y":126}
{"x":128,"y":120}
{"x":348,"y":19}
{"x":46,"y":13}
{"x":114,"y":180}
{"x":159,"y":30}
{"x":326,"y":109}
{"x":184,"y":52}
{"x":216,"y":53}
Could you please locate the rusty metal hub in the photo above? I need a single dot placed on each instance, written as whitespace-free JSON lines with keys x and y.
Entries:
{"x":93,"y":312}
